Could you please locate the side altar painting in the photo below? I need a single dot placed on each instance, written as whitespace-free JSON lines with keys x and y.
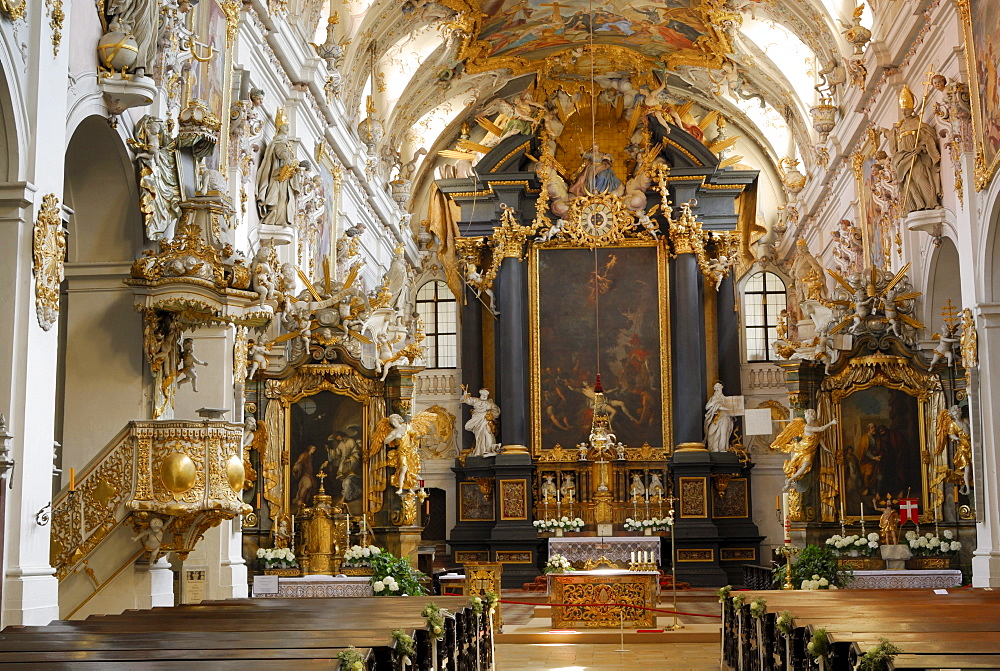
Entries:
{"x":630,"y":339}
{"x":981,"y":23}
{"x":326,"y":432}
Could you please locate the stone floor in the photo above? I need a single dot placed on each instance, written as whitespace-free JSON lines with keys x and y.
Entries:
{"x":605,"y":657}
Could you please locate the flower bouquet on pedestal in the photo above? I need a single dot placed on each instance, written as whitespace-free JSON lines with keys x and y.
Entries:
{"x":855,"y":551}
{"x":558,"y":564}
{"x":558,"y":525}
{"x":647,"y":527}
{"x":280,"y":561}
{"x":931,"y":551}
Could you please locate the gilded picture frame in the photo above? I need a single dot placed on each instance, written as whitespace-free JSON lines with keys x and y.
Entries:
{"x":882,"y":436}
{"x":980,"y":20}
{"x":570,"y":336}
{"x":277,"y":462}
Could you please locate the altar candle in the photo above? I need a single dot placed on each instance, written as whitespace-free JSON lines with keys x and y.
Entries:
{"x":842,"y":509}
{"x":72,"y":479}
{"x":633,"y":556}
{"x":777,"y":502}
{"x":862,"y":511}
{"x":292,"y":531}
{"x":786,"y":523}
{"x":954,"y":492}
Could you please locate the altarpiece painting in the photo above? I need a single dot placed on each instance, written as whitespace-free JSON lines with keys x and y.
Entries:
{"x":609,"y":300}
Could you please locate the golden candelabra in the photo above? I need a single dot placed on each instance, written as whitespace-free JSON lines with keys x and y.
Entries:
{"x":788,"y":552}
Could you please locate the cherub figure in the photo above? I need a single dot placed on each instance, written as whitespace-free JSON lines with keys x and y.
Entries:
{"x":263,"y":283}
{"x":152,"y":537}
{"x":187,"y":370}
{"x":256,"y":357}
{"x":802,"y":439}
{"x":945,"y":348}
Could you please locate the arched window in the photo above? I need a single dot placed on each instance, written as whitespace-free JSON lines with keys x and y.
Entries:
{"x":438,"y":310}
{"x":763,"y":300}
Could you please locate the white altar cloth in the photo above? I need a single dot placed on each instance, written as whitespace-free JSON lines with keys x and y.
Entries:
{"x":930,"y":579}
{"x":618,"y":549}
{"x":321,"y":586}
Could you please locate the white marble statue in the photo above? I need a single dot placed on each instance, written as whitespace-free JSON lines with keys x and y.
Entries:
{"x":568,"y":489}
{"x":484,"y":409}
{"x":945,"y":348}
{"x":279,"y":179}
{"x":263,"y":283}
{"x":718,"y":421}
{"x":187,"y":372}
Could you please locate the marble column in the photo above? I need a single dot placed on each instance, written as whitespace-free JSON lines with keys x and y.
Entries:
{"x":472,"y":358}
{"x":511,"y":290}
{"x":687,"y":348}
{"x":728,"y":337}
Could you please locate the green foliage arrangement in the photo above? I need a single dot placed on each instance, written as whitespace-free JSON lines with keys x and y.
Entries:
{"x":435,"y":620}
{"x":393,"y":576}
{"x":758,"y":607}
{"x":879,"y":658}
{"x":815,"y":561}
{"x":785,"y":623}
{"x":351,"y":659}
{"x":405,"y":645}
{"x":819,"y":645}
{"x":724,"y":593}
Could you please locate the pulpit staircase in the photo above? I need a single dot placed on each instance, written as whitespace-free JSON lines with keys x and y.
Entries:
{"x":186,"y":474}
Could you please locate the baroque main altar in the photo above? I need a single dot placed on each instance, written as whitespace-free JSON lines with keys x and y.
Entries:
{"x":592,"y":245}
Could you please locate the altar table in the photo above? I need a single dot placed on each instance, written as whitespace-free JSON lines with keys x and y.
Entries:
{"x":617,"y":549}
{"x":323,"y":586}
{"x":641,"y":588}
{"x":929,"y":579}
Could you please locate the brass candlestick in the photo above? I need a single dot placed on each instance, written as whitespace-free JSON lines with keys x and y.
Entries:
{"x":673,"y":560}
{"x":788,"y":551}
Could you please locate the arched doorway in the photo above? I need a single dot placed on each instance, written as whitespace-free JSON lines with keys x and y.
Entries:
{"x":100,"y":334}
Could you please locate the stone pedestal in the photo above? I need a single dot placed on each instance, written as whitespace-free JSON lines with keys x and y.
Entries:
{"x":926,"y":221}
{"x":895,"y":556}
{"x":514,"y":541}
{"x":713,"y":519}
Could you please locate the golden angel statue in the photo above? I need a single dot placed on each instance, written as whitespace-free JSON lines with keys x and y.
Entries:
{"x":952,"y":427}
{"x":801,"y":438}
{"x":404,"y":440}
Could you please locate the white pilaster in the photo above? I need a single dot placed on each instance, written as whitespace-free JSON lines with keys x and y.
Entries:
{"x":986,"y":559}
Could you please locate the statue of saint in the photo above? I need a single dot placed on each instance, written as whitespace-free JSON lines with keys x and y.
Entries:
{"x":279,"y":179}
{"x":158,"y":178}
{"x":718,"y":420}
{"x":916,"y":158}
{"x":484,"y":409}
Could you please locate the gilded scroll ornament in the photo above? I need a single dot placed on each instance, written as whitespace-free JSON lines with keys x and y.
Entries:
{"x":49,"y":253}
{"x":56,"y":18}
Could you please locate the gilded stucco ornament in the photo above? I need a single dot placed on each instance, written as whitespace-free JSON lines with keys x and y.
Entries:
{"x":13,"y":9}
{"x":49,"y":253}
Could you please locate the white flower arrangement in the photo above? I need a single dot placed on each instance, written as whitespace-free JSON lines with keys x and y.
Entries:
{"x":655,"y":524}
{"x":930,"y":545}
{"x":817,"y":583}
{"x":386,"y":584}
{"x":853,"y":545}
{"x":276,"y":557}
{"x":564,"y":523}
{"x":558,"y":564}
{"x":361,"y":555}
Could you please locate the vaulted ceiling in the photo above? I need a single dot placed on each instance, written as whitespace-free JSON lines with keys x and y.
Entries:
{"x":438,"y":64}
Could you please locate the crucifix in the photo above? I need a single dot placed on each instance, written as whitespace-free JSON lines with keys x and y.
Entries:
{"x":322,"y":476}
